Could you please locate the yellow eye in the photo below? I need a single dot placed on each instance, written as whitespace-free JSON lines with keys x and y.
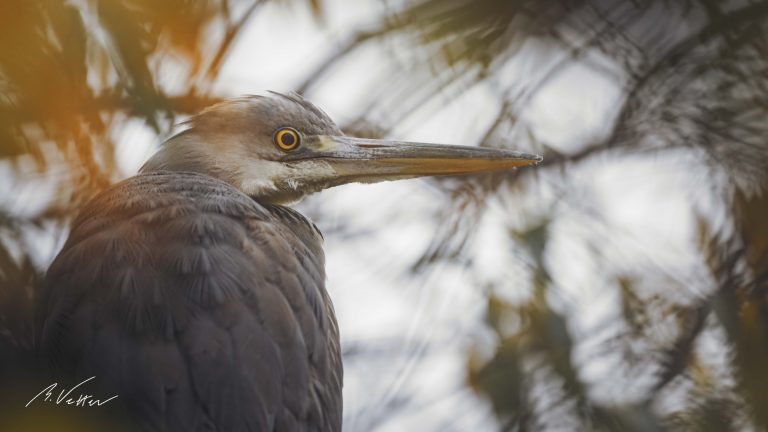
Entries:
{"x":287,"y":138}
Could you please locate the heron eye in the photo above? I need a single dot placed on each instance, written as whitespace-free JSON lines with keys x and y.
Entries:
{"x":287,"y":138}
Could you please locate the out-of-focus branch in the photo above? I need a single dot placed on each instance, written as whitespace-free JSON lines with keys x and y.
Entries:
{"x":357,"y":40}
{"x":679,"y":52}
{"x":189,"y":103}
{"x":231,"y":34}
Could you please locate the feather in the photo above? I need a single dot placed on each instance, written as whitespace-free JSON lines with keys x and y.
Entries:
{"x":202,"y":308}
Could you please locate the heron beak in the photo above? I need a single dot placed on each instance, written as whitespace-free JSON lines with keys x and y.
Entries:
{"x":370,"y":160}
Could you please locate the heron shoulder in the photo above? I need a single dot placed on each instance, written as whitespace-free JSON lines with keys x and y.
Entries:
{"x":180,"y":267}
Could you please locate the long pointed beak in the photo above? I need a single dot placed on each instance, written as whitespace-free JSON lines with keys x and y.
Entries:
{"x":370,"y":160}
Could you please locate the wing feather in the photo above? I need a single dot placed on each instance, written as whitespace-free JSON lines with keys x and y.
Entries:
{"x":200,"y":307}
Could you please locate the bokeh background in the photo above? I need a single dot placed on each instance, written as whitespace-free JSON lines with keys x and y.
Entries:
{"x":620,"y":285}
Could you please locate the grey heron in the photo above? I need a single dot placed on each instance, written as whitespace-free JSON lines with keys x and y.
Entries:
{"x":197,"y":296}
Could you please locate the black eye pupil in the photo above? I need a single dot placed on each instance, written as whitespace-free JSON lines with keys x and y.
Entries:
{"x":288,"y":139}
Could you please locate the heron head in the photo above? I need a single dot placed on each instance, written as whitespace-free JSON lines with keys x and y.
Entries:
{"x":280,"y":148}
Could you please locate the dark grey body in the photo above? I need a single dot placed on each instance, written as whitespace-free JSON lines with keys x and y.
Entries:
{"x":202,"y":308}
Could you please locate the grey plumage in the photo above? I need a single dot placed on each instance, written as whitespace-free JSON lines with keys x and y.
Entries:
{"x":203,"y":308}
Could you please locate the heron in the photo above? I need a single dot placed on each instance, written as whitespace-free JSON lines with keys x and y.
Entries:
{"x":197,"y":295}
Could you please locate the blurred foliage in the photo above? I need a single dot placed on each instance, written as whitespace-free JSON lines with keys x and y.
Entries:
{"x":68,"y":69}
{"x":694,"y":75}
{"x":534,"y":343}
